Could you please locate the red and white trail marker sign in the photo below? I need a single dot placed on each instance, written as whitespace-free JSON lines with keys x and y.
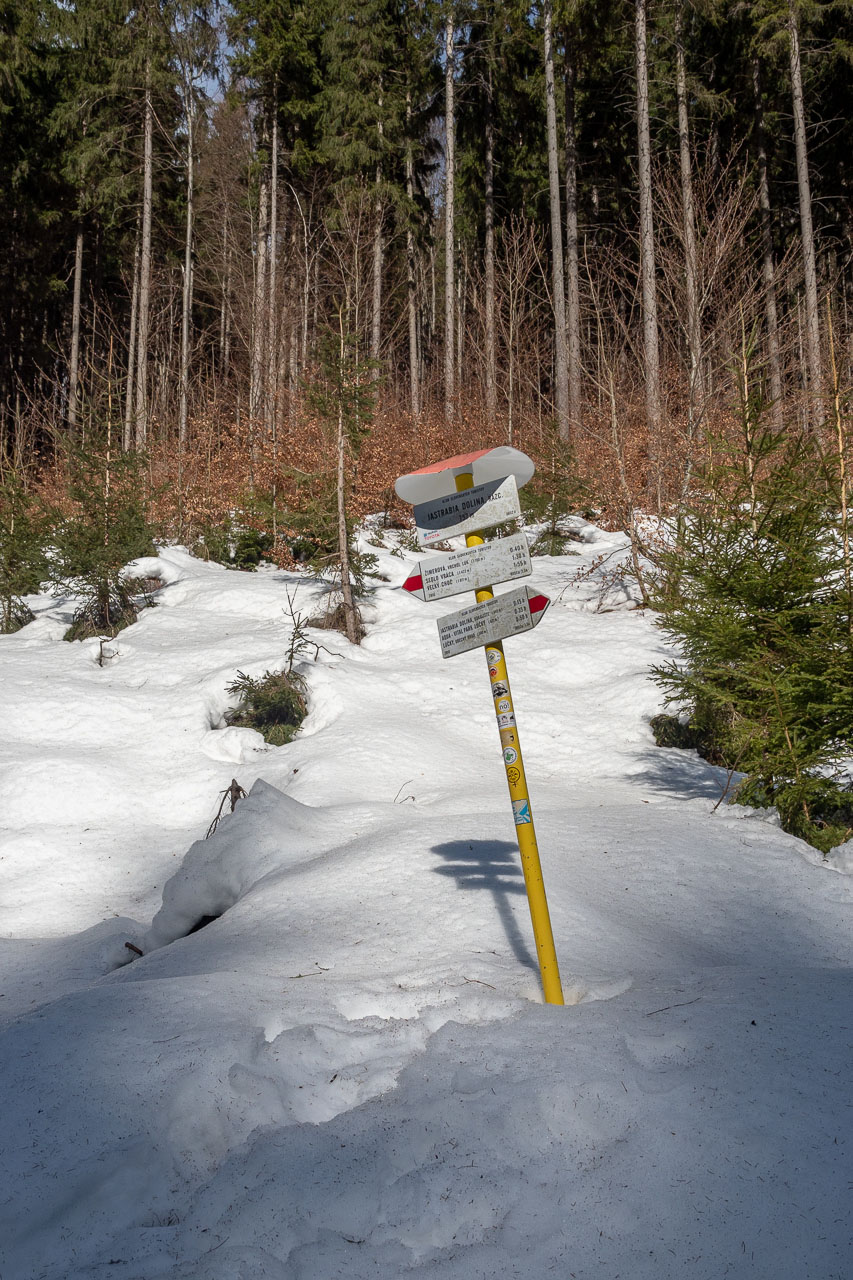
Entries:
{"x":481,"y":624}
{"x":470,"y":570}
{"x":467,"y":511}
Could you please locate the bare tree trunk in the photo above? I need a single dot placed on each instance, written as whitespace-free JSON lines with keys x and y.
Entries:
{"x":187,"y":299}
{"x":272,"y":301}
{"x":378,"y":258}
{"x":558,"y":288}
{"x":411,"y":284}
{"x":74,"y":361}
{"x":350,"y":613}
{"x":573,"y":309}
{"x":768,"y":268}
{"x":141,"y":427}
{"x":449,"y":191}
{"x":696,"y":395}
{"x":257,"y":379}
{"x":809,"y":267}
{"x":491,"y":362}
{"x":127,"y":439}
{"x":651,"y":356}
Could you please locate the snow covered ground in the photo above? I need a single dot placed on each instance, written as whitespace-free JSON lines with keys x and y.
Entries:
{"x":350,"y":1072}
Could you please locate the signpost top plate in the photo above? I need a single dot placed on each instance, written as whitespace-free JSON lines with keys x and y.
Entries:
{"x":437,"y":480}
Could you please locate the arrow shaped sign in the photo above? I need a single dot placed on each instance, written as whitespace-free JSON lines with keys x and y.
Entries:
{"x":467,"y":511}
{"x":470,"y":570}
{"x":507,"y":615}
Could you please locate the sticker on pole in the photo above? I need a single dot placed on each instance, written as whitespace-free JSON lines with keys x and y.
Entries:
{"x":481,"y":624}
{"x":471,"y":570}
{"x":467,"y":511}
{"x":521,"y":812}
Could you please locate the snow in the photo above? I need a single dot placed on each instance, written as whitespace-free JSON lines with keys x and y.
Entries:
{"x":350,"y":1070}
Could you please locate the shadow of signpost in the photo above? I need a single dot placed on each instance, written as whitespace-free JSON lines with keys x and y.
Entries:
{"x":492,"y":865}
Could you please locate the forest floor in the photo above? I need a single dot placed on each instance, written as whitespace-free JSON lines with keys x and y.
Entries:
{"x":350,"y":1072}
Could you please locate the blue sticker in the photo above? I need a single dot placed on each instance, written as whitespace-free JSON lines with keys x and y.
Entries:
{"x":521,"y":812}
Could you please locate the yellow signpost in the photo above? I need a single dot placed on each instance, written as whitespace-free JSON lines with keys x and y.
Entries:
{"x":464,"y":478}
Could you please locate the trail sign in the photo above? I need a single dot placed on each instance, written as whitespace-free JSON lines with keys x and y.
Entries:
{"x":481,"y":465}
{"x":491,"y":621}
{"x":470,"y":570}
{"x":484,"y":480}
{"x":466,"y":512}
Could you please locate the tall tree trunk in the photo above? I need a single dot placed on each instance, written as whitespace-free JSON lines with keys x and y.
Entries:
{"x":411,"y":283}
{"x":809,"y":268}
{"x":768,"y":267}
{"x":127,"y":439}
{"x":143,"y":322}
{"x":74,"y":361}
{"x":449,"y":192}
{"x":651,"y":357}
{"x":378,"y":257}
{"x":558,"y":288}
{"x":187,"y":299}
{"x":257,"y":380}
{"x":491,"y":362}
{"x":696,"y":396}
{"x":573,"y":308}
{"x":350,"y":612}
{"x":270,"y":406}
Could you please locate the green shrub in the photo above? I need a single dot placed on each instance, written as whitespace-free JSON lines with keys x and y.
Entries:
{"x":106,"y":528}
{"x":23,"y":564}
{"x":756,"y":592}
{"x":274,"y":704}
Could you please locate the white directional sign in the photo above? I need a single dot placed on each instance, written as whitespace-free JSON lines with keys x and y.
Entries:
{"x":467,"y":511}
{"x":470,"y":570}
{"x":481,"y":624}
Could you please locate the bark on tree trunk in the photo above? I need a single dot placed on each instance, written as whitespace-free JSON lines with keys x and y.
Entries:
{"x":696,"y":394}
{"x":350,"y":613}
{"x":187,"y":299}
{"x":270,"y":406}
{"x":573,"y":310}
{"x":127,"y":439}
{"x":809,"y":267}
{"x":257,"y":381}
{"x":143,"y":322}
{"x":74,"y":361}
{"x":651,"y":356}
{"x":449,"y":238}
{"x":411,"y":284}
{"x":558,"y":288}
{"x":491,"y":363}
{"x":768,"y":267}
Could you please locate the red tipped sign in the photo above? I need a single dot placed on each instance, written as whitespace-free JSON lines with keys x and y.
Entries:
{"x":470,"y":570}
{"x":493,"y":620}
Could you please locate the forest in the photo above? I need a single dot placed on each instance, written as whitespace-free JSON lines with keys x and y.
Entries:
{"x":502,"y":221}
{"x":261,"y":258}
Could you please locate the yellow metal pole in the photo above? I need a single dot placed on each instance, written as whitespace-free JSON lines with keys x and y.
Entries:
{"x":522,"y":813}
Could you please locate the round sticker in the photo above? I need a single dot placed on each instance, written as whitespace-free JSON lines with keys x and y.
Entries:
{"x":493,"y":671}
{"x":510,"y":755}
{"x":504,"y":704}
{"x":512,"y":776}
{"x":493,"y":655}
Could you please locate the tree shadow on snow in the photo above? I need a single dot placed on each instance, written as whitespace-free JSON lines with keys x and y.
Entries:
{"x":492,"y":865}
{"x":677,"y":772}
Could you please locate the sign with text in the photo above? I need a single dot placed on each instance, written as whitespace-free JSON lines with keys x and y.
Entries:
{"x":467,"y":511}
{"x":493,"y":620}
{"x":471,"y":570}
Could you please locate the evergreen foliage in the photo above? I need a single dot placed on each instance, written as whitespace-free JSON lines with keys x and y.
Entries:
{"x":22,"y":558}
{"x":106,"y":528}
{"x":756,"y":593}
{"x":554,"y":493}
{"x":274,"y":704}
